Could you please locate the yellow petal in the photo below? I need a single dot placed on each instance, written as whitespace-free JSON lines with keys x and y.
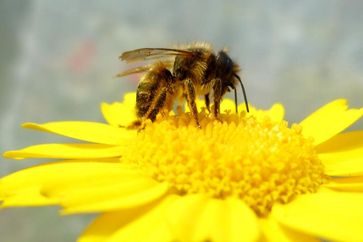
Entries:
{"x":91,"y":179}
{"x":30,"y":196}
{"x":66,"y":151}
{"x":104,"y":226}
{"x":275,"y":232}
{"x":331,"y":215}
{"x":343,"y":154}
{"x":71,"y":171}
{"x":199,"y":218}
{"x":120,"y":114}
{"x":28,"y":183}
{"x":340,"y":164}
{"x":240,"y":216}
{"x":182,"y":215}
{"x":348,"y":184}
{"x":86,"y":131}
{"x":345,"y":187}
{"x":329,"y":120}
{"x":342,"y":142}
{"x":150,"y":227}
{"x":348,"y":180}
{"x":275,"y":113}
{"x":108,"y":197}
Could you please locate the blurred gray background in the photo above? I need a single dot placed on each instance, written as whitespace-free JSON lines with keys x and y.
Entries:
{"x":58,"y":59}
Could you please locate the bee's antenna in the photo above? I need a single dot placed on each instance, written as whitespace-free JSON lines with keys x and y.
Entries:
{"x":244,"y":92}
{"x":235,"y":99}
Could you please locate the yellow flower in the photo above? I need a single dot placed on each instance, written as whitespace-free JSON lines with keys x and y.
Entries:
{"x":250,"y":177}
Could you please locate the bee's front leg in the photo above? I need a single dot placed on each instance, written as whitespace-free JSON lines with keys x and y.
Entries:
{"x":217,"y":92}
{"x":190,"y":94}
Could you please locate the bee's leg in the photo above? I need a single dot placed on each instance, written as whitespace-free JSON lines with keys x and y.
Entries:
{"x":143,"y":99}
{"x":179,"y":109}
{"x":207,"y":101}
{"x":138,"y":124}
{"x":157,"y":104}
{"x":190,"y":91}
{"x":180,"y":104}
{"x":217,"y":90}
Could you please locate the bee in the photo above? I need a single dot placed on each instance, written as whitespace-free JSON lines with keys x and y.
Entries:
{"x":191,"y":71}
{"x":155,"y":92}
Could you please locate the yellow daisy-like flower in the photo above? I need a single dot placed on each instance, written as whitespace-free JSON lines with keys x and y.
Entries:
{"x":250,"y":177}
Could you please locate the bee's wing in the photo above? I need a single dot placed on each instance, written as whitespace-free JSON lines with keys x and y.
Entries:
{"x":151,"y":53}
{"x":135,"y":70}
{"x":139,"y":69}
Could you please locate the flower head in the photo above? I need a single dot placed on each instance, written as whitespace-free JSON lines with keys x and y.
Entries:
{"x":244,"y":177}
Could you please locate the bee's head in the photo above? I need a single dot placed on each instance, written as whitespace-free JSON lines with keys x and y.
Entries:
{"x":224,"y":65}
{"x":227,"y":71}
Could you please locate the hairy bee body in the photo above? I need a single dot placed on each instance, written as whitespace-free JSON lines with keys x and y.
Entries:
{"x":155,"y":92}
{"x":191,"y":71}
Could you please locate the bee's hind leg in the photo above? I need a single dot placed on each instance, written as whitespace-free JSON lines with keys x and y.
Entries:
{"x":157,"y":105}
{"x":138,"y":124}
{"x":217,"y":92}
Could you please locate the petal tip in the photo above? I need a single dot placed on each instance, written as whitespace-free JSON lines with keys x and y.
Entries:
{"x":278,"y":107}
{"x":12,"y":154}
{"x":29,"y":125}
{"x":341,"y":102}
{"x":7,"y":154}
{"x":104,"y":104}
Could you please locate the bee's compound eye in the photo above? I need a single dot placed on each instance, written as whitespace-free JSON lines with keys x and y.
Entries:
{"x":224,"y":64}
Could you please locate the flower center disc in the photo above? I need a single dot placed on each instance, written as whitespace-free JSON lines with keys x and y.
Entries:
{"x":259,"y":161}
